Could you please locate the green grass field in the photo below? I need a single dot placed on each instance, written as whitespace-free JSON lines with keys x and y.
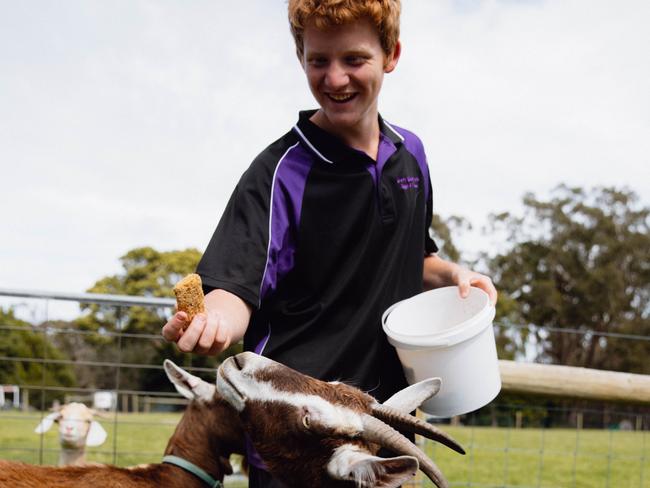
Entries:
{"x":497,"y":457}
{"x":551,"y":458}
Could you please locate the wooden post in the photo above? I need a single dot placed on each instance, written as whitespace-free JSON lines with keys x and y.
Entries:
{"x":579,"y":420}
{"x":25,"y":404}
{"x":518,"y":419}
{"x":639,"y":423}
{"x":135,"y":402}
{"x":572,"y":382}
{"x":125,"y":403}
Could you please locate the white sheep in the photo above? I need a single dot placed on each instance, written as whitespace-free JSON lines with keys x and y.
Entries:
{"x":77,"y":429}
{"x":318,"y":434}
{"x":197,"y":455}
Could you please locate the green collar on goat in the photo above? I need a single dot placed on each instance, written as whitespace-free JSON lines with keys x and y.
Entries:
{"x":194,"y":469}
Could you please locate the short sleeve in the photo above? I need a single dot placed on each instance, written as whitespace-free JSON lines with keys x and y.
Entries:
{"x":235,"y":257}
{"x":254,"y":245}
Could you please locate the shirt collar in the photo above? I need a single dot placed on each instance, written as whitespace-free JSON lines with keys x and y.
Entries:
{"x":330,"y":148}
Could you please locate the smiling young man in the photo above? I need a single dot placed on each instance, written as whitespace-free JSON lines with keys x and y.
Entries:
{"x":329,"y":225}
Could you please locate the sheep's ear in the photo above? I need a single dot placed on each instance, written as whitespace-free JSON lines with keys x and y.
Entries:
{"x":96,"y":434}
{"x":47,"y":422}
{"x":412,"y":397}
{"x":99,"y":413}
{"x":188,"y":385}
{"x":349,"y":463}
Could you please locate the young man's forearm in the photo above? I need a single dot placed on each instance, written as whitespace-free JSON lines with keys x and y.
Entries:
{"x":438,"y":272}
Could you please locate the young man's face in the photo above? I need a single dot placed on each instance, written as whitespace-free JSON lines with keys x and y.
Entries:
{"x":345,"y":67}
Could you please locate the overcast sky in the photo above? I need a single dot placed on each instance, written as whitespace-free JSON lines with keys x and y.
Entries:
{"x":127,"y":123}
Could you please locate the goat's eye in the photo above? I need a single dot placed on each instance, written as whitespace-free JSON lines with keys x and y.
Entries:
{"x":306,"y":421}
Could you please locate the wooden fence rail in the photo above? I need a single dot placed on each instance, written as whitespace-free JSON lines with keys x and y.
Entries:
{"x":573,"y":382}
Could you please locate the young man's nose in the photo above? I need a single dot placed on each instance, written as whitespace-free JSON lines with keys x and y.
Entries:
{"x":336,"y":76}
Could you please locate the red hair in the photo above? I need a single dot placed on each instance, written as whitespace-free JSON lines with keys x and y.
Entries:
{"x":384,"y":14}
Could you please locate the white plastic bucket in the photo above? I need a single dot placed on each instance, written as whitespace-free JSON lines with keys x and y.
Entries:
{"x":438,"y":333}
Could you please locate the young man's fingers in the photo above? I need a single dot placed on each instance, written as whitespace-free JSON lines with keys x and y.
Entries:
{"x":223,"y":336}
{"x":173,"y":329}
{"x":206,"y":341}
{"x":463,"y":286}
{"x":464,"y":289}
{"x":217,"y":347}
{"x":485,"y":283}
{"x":191,"y":336}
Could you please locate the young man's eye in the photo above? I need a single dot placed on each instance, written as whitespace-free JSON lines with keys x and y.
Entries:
{"x":354,"y":60}
{"x":318,"y":62}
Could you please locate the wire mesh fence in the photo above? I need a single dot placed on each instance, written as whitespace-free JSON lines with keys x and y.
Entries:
{"x":515,"y":442}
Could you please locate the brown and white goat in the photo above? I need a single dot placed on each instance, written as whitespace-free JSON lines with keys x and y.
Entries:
{"x":77,"y":429}
{"x":206,"y":435}
{"x":318,"y":434}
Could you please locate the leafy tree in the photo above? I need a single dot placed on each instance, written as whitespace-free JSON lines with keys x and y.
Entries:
{"x":150,"y":273}
{"x":578,"y":262}
{"x":21,"y":340}
{"x":146,"y":273}
{"x":443,"y":229}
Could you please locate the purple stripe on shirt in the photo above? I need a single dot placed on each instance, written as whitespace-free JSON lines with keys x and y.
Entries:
{"x":286,"y":204}
{"x":252,"y":455}
{"x":384,"y":151}
{"x":259,"y":349}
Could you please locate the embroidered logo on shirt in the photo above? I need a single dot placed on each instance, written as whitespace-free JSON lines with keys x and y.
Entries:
{"x":408,"y":182}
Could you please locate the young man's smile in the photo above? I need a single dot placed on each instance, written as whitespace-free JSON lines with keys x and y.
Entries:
{"x":341,"y":97}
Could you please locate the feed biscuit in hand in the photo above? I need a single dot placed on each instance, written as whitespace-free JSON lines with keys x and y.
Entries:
{"x":189,"y":296}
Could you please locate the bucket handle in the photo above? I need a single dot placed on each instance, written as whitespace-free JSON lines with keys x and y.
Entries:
{"x":389,"y":310}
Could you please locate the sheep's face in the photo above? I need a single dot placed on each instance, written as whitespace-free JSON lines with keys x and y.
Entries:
{"x":74,"y":425}
{"x":308,"y":432}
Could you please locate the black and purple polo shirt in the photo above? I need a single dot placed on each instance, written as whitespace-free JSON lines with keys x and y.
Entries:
{"x":320,"y":239}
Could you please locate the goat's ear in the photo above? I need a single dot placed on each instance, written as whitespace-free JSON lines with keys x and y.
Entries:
{"x":412,"y":397}
{"x":350,"y":463}
{"x":47,"y":422}
{"x":96,"y":434}
{"x":188,"y":385}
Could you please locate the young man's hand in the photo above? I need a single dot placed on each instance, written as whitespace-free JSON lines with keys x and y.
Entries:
{"x":466,"y":278}
{"x":224,"y":323}
{"x":439,"y":272}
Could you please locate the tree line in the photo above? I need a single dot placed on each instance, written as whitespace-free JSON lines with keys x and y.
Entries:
{"x":572,"y":270}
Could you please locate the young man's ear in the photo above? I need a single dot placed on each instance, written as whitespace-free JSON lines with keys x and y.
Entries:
{"x":391,"y":61}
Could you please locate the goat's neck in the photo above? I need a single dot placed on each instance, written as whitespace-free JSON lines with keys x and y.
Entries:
{"x":72,"y":457}
{"x":207,"y":434}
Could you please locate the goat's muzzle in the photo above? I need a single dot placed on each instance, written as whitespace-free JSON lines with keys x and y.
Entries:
{"x":228,"y":370}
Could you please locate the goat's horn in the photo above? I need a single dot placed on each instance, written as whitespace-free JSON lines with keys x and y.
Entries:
{"x":403,"y":421}
{"x":376,"y":431}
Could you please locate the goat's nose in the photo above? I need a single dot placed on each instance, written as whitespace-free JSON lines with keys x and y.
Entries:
{"x":243,"y":358}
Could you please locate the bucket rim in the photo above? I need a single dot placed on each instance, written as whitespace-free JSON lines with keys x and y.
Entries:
{"x":457,"y":334}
